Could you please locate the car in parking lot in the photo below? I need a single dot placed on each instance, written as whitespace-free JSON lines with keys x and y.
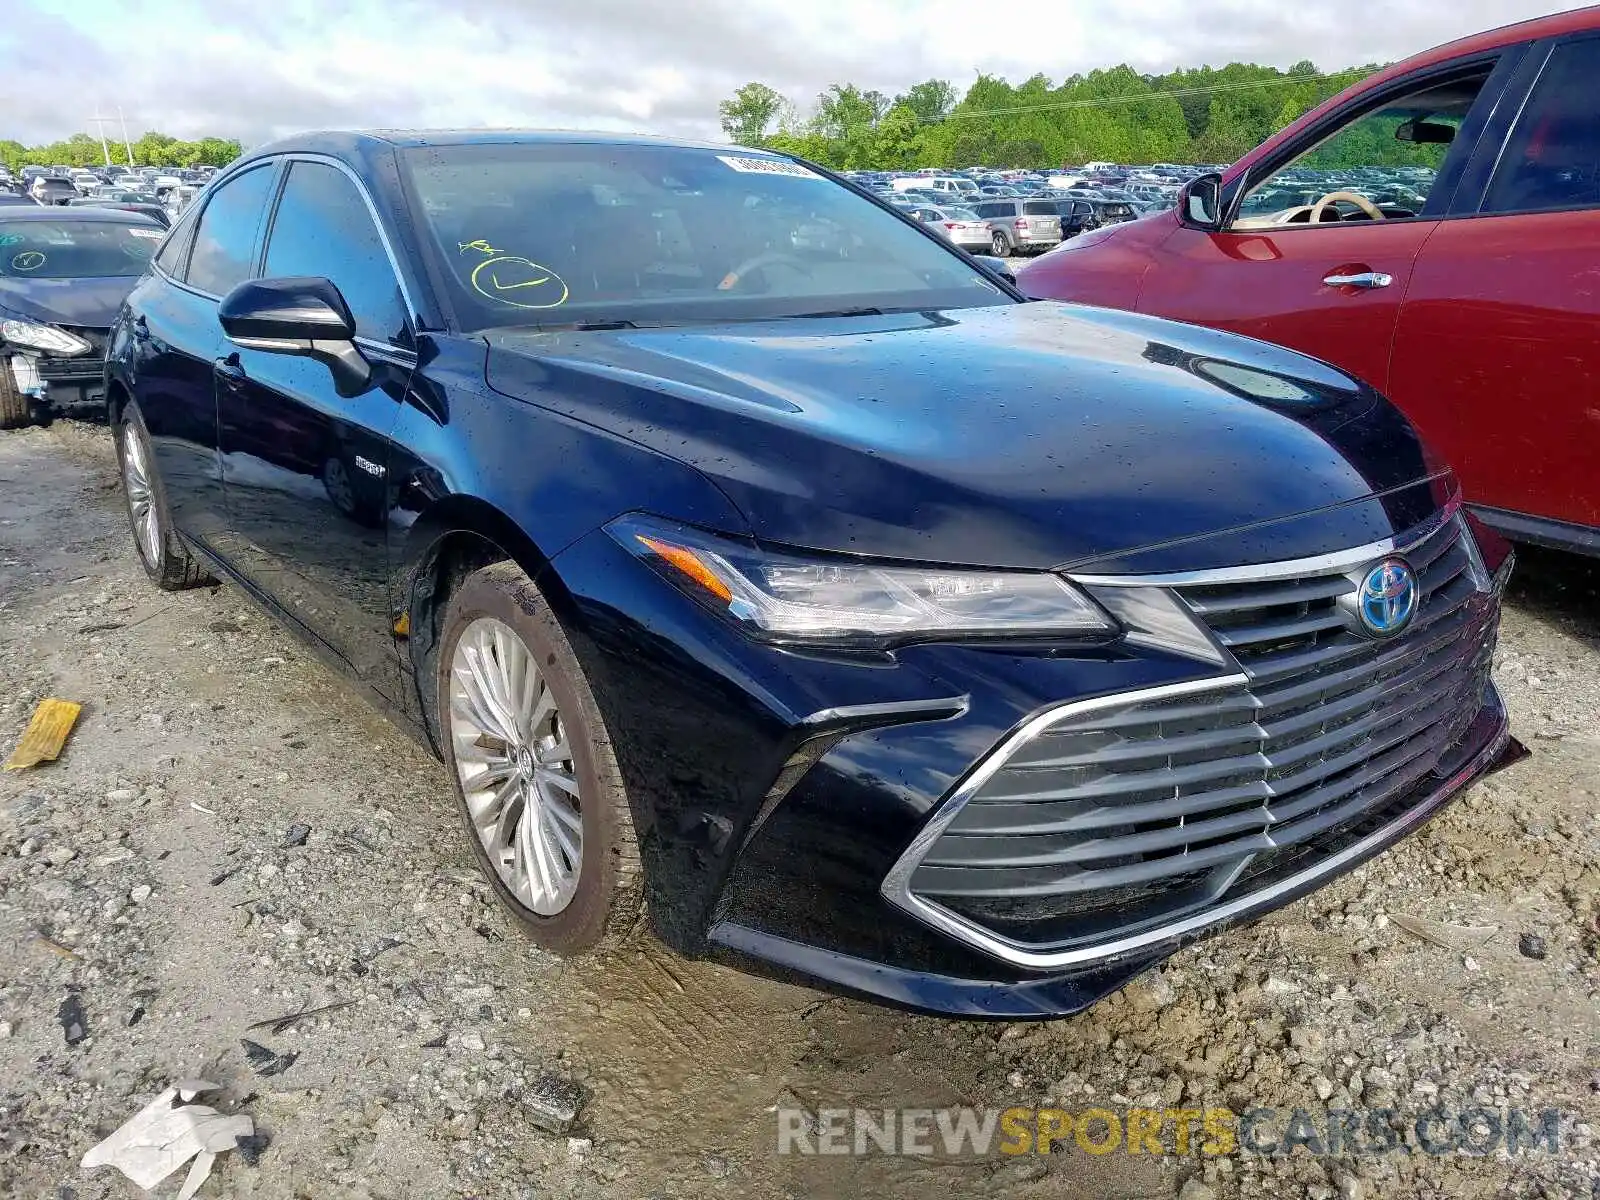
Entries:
{"x":1472,"y":304}
{"x":52,"y":189}
{"x":815,"y":596}
{"x":63,"y":275}
{"x":961,"y":226}
{"x":1019,"y":226}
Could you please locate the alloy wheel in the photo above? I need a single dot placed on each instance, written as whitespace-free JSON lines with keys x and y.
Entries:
{"x":515,"y":765}
{"x":141,"y":499}
{"x":336,"y":479}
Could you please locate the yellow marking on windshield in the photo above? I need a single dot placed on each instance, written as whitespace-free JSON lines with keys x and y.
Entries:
{"x":478,"y":244}
{"x":518,"y":282}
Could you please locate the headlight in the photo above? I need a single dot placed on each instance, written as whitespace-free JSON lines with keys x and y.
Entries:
{"x":42,"y":337}
{"x":789,"y":597}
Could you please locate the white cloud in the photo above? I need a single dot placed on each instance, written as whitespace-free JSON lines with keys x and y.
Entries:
{"x":257,"y":70}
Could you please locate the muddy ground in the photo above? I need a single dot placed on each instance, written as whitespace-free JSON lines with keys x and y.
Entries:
{"x":147,"y":874}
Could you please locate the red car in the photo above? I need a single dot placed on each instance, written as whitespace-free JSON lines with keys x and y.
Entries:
{"x":1435,"y":230}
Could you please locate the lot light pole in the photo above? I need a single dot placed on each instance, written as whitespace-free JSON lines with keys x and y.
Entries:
{"x":100,"y":128}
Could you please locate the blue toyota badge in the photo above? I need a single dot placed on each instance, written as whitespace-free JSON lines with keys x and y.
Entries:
{"x":1388,"y":597}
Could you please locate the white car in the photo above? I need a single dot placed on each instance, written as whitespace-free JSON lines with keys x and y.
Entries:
{"x":959,"y":225}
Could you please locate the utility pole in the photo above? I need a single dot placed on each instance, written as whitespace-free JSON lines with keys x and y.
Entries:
{"x":126,"y":145}
{"x":100,"y":128}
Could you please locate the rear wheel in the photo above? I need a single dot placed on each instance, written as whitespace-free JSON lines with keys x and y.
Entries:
{"x":1000,"y":245}
{"x":164,"y":556}
{"x":535,"y":776}
{"x":15,"y":410}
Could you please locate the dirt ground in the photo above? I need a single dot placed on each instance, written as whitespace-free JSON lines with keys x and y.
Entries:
{"x":147,"y":874}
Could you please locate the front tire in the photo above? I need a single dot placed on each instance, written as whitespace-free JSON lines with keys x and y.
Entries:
{"x":535,"y":777}
{"x":15,"y":411}
{"x":161,"y":552}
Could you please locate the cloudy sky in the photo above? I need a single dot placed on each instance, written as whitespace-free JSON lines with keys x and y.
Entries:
{"x":255,"y":69}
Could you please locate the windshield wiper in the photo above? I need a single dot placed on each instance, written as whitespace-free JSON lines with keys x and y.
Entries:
{"x":587,"y":326}
{"x":864,"y":311}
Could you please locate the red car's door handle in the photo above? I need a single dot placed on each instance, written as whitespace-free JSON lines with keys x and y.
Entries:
{"x":1361,"y":279}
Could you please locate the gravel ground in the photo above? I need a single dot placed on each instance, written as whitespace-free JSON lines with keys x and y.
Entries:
{"x":152,"y":874}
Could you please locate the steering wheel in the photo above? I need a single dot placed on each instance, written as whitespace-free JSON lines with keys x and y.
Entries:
{"x":771,"y":257}
{"x":1360,"y":201}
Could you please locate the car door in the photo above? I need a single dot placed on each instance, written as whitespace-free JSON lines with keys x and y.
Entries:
{"x":1497,"y":352}
{"x":1332,"y":287}
{"x":172,"y":321}
{"x":306,"y":469}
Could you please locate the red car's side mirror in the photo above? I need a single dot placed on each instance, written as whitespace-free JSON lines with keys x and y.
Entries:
{"x":1200,"y":202}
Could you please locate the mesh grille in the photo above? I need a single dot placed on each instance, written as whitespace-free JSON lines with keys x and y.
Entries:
{"x":1123,"y":817}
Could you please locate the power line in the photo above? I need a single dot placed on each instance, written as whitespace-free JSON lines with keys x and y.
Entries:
{"x":1098,"y":101}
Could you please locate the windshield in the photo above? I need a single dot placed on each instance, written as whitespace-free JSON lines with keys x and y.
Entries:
{"x":577,"y":233}
{"x":75,"y":249}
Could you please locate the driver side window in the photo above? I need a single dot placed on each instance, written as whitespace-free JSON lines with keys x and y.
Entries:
{"x":1384,"y":160}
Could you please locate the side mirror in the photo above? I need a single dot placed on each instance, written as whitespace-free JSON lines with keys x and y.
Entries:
{"x":997,"y":266}
{"x":304,"y":316}
{"x":1200,"y":202}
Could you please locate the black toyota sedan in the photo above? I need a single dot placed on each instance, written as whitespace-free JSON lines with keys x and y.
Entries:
{"x":762,"y":564}
{"x":64,"y":273}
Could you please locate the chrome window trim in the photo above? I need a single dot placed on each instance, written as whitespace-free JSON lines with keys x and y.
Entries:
{"x":896,"y":885}
{"x":1317,"y":564}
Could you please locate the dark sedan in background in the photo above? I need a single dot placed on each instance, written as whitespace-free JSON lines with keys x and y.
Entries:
{"x":758,"y":561}
{"x":64,"y":273}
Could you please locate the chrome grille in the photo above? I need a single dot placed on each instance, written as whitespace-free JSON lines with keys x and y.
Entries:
{"x":1121,"y":816}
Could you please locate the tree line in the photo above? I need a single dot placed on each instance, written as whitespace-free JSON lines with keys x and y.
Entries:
{"x":1199,"y":114}
{"x":151,"y":150}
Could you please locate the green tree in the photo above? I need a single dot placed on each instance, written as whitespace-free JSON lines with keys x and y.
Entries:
{"x":751,"y":112}
{"x":931,"y":100}
{"x":897,"y":140}
{"x":845,"y":108}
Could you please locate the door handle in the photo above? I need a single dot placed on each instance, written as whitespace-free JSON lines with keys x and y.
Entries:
{"x":230,"y":372}
{"x":1363,"y":279}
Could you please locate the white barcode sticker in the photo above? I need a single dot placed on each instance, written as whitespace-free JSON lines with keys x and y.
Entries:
{"x":154,"y":235}
{"x":752,"y":165}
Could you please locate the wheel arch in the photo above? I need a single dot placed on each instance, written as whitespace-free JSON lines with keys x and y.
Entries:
{"x":117,"y":399}
{"x":457,"y":535}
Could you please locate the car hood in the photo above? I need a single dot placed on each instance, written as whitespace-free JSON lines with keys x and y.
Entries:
{"x":1034,"y":435}
{"x":90,"y":302}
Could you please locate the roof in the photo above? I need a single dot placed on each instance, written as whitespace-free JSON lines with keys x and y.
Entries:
{"x":72,"y":212}
{"x":345,"y":141}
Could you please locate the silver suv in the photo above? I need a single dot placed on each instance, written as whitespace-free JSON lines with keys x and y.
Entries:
{"x":1020,"y":225}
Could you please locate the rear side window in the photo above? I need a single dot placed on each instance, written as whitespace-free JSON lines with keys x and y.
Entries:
{"x":174,"y":255}
{"x":225,"y":239}
{"x":1553,"y":160}
{"x":323,"y":227}
{"x":1038,"y":208}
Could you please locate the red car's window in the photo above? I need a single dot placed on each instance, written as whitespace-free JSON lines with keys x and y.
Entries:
{"x":1553,"y":160}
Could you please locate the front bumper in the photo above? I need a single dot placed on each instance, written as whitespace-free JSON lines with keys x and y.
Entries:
{"x":816,"y":815}
{"x":56,"y":383}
